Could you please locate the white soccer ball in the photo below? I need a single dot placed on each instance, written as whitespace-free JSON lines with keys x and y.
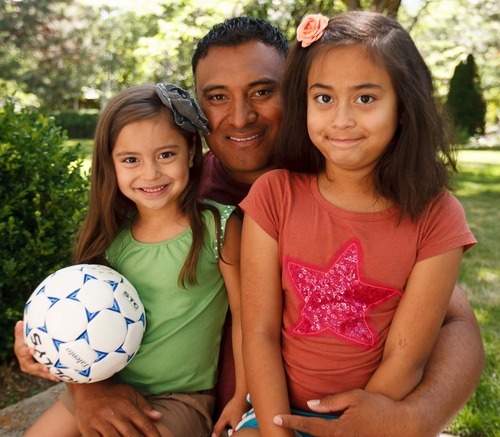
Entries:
{"x":85,"y":322}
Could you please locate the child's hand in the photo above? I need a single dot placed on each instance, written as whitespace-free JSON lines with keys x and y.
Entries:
{"x":231,"y":415}
{"x":24,"y":355}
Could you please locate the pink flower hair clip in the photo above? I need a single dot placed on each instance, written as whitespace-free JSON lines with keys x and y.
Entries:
{"x":311,"y":29}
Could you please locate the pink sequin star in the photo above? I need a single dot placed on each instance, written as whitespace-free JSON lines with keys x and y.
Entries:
{"x":340,"y":298}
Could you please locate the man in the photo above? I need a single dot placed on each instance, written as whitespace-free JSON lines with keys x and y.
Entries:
{"x":237,"y":69}
{"x":243,"y":104}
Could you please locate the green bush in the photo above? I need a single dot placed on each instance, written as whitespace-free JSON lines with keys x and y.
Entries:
{"x":465,"y":99}
{"x":43,"y":200}
{"x":78,"y":124}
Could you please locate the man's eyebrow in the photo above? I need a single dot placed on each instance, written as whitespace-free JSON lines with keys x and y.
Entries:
{"x":264,"y":81}
{"x":260,"y":82}
{"x":210,"y":88}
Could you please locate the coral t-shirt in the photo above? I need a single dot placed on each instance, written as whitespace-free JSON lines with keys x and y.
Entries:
{"x":343,"y":274}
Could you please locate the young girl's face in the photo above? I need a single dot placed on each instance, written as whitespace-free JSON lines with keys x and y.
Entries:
{"x":152,"y":161}
{"x":352,"y":111}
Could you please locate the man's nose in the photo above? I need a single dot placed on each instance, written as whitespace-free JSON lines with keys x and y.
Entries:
{"x":242,"y":113}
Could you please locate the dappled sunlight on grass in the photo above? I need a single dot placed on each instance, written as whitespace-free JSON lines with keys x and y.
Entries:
{"x":489,"y":276}
{"x":478,"y":189}
{"x":474,"y":157}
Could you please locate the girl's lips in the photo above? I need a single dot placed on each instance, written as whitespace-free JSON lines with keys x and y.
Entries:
{"x":345,"y":141}
{"x":153,"y":190}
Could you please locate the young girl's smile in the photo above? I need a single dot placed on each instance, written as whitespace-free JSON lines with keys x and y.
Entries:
{"x":352,"y":111}
{"x":152,"y":161}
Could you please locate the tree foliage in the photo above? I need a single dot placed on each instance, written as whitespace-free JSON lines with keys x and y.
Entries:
{"x":288,"y":14}
{"x":58,"y":49}
{"x":65,"y":52}
{"x":448,"y":31}
{"x":116,"y":49}
{"x":465,"y":100}
{"x":42,"y":49}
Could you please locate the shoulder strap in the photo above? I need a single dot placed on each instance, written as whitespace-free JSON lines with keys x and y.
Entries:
{"x":225,"y":212}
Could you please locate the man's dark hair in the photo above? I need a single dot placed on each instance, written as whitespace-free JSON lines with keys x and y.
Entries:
{"x":237,"y":31}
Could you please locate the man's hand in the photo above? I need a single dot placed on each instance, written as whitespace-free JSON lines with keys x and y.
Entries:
{"x":362,"y":414}
{"x":24,"y":355}
{"x":111,"y":409}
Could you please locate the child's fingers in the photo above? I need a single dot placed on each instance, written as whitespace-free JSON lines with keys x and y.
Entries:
{"x":18,"y":331}
{"x":36,"y":369}
{"x":29,"y":365}
{"x":219,"y":426}
{"x":20,"y":348}
{"x":24,"y":355}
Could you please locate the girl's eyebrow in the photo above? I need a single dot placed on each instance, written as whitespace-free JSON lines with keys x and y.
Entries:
{"x":320,"y":86}
{"x":368,"y":85}
{"x":157,"y":150}
{"x":126,"y":153}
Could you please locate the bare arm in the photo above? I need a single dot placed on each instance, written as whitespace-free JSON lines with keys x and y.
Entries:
{"x":416,"y":325}
{"x":261,"y":300}
{"x":230,"y":269}
{"x":109,"y":408}
{"x":453,"y":370}
{"x":449,"y":380}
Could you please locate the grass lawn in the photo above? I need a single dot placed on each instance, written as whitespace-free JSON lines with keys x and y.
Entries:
{"x":85,"y":143}
{"x":478,"y":188}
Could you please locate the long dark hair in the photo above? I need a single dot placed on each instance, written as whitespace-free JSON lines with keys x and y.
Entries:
{"x":418,"y":162}
{"x":109,"y":210}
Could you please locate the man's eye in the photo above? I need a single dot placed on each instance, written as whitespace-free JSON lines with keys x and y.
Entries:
{"x":263,"y":93}
{"x":217,"y":97}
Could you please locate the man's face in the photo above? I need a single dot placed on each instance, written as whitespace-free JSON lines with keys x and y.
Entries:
{"x":238,"y":89}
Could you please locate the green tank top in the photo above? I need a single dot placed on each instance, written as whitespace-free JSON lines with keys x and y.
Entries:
{"x":180,"y":348}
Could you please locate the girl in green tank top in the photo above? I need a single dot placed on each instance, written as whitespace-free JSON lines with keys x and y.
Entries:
{"x":182,"y":254}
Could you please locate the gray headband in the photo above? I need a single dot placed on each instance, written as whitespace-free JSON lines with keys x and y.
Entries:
{"x":187,"y":114}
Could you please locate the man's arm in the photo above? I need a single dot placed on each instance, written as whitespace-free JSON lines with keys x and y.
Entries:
{"x":450,"y":378}
{"x":109,"y":408}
